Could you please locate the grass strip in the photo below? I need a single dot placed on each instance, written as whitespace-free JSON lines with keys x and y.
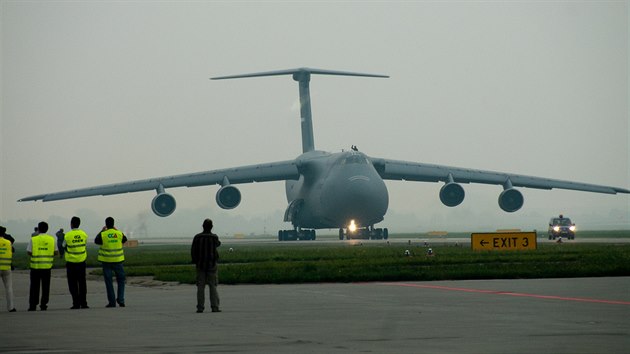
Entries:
{"x":279,"y":265}
{"x":305,"y":263}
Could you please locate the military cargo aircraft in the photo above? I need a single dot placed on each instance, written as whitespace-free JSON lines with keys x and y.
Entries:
{"x":342,"y":190}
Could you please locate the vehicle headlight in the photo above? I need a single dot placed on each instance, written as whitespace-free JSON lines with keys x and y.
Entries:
{"x":556,"y":228}
{"x":572,"y":228}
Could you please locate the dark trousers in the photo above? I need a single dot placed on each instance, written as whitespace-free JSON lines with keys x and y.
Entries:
{"x":76,"y":283}
{"x":39,"y":276}
{"x":208,"y":277}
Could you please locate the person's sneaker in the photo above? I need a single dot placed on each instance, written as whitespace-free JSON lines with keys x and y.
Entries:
{"x":75,"y":307}
{"x":121,"y":304}
{"x":110,"y":305}
{"x":31,"y":309}
{"x":199,"y":311}
{"x":13,"y":310}
{"x":43,"y":308}
{"x":216,"y":310}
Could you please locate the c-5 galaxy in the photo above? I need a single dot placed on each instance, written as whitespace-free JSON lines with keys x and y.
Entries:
{"x":342,"y":190}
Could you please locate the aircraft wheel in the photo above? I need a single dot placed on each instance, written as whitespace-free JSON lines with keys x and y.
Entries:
{"x":341,"y":234}
{"x":313,"y":236}
{"x":385,"y":234}
{"x":280,"y":235}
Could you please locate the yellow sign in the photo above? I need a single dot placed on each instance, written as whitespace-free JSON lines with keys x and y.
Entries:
{"x":503,"y":241}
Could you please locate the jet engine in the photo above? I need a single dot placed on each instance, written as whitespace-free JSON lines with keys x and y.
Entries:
{"x":163,"y":204}
{"x":452,"y":194}
{"x":228,"y":197}
{"x":510,"y":200}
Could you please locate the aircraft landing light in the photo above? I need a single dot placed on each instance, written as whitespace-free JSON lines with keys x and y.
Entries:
{"x":352,"y":227}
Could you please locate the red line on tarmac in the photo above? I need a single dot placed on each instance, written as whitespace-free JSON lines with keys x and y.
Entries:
{"x":509,"y":293}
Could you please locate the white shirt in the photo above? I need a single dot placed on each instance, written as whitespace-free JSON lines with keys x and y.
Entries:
{"x":29,"y":247}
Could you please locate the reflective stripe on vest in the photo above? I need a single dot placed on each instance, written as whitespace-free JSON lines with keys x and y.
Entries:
{"x":43,"y":251}
{"x":6,"y":254}
{"x":76,"y":251}
{"x":111,"y":250}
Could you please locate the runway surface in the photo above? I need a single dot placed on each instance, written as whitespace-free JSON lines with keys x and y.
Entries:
{"x":583,"y":315}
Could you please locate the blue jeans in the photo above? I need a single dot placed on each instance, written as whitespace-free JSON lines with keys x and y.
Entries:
{"x":116,"y":268}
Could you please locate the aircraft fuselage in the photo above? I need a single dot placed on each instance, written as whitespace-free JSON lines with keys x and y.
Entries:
{"x":335,"y":188}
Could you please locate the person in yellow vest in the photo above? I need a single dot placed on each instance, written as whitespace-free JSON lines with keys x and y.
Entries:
{"x":75,"y":254}
{"x":111,"y":256}
{"x":6,"y":257}
{"x":42,"y":249}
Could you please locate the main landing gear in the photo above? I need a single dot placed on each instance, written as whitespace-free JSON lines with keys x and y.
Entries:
{"x":367,"y":233}
{"x":294,"y":235}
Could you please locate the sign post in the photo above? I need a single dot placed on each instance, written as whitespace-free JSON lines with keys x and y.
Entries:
{"x":503,"y":241}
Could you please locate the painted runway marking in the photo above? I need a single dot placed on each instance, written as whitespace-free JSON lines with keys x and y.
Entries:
{"x":509,"y":293}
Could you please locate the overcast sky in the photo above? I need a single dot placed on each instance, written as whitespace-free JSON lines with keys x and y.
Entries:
{"x":104,"y":92}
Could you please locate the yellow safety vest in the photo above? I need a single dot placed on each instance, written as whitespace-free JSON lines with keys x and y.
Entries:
{"x":6,"y":254}
{"x":111,"y":250}
{"x":76,"y":251}
{"x":43,"y":251}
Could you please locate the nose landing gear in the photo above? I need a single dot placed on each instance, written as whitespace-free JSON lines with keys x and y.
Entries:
{"x":366,"y":233}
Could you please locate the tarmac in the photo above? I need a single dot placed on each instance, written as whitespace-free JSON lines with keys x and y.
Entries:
{"x":580,"y":315}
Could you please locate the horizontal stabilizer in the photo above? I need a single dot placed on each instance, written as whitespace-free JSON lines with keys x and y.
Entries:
{"x":298,"y":71}
{"x":303,"y":77}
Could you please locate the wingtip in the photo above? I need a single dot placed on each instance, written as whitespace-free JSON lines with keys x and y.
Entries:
{"x":32,"y":198}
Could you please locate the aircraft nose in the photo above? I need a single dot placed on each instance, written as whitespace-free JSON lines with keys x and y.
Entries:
{"x":358,"y":188}
{"x":358,"y":197}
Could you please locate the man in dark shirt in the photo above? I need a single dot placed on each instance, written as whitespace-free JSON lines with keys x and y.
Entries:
{"x":60,"y":236}
{"x":205,"y":257}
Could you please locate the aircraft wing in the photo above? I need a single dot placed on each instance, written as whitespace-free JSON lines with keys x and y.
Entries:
{"x":414,"y":171}
{"x":275,"y":171}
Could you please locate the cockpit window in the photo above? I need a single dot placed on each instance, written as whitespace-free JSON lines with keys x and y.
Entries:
{"x":355,"y":159}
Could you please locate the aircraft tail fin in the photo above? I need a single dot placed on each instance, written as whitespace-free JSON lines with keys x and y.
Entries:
{"x":303,"y":77}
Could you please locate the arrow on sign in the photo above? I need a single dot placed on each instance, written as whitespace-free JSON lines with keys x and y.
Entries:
{"x":483,"y":243}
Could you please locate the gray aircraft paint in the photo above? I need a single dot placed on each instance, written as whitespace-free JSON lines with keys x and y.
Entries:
{"x":327,"y":190}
